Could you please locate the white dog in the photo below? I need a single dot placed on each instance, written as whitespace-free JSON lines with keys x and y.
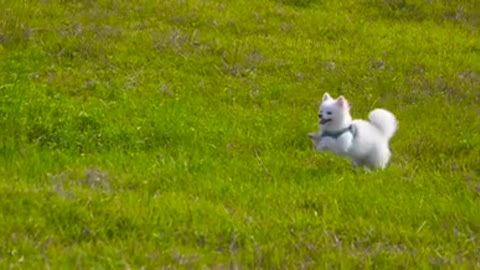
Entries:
{"x":364,"y":142}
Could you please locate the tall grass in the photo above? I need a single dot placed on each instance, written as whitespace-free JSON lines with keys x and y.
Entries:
{"x":174,"y":134}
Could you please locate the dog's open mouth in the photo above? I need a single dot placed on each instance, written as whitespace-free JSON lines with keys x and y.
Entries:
{"x":323,"y":121}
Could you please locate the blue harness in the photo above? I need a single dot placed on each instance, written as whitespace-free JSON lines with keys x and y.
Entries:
{"x":336,"y":134}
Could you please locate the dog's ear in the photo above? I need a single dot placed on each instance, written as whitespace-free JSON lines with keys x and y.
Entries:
{"x":342,"y":102}
{"x":326,"y":96}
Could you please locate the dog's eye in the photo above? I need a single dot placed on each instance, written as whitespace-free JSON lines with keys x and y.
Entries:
{"x":329,"y":113}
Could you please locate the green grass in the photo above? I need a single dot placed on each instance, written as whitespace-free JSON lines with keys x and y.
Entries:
{"x":174,"y":133}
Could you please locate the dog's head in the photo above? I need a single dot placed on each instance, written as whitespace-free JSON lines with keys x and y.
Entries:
{"x":333,"y":111}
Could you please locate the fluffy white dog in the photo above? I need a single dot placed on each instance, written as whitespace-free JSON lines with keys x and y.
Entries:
{"x":366,"y":143}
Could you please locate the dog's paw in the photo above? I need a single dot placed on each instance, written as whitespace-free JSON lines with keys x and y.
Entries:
{"x":315,"y":137}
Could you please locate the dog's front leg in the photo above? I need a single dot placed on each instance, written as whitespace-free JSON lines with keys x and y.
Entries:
{"x":316,"y":140}
{"x":322,"y":146}
{"x":344,"y":143}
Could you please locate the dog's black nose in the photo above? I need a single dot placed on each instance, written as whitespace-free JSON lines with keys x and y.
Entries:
{"x":320,"y":115}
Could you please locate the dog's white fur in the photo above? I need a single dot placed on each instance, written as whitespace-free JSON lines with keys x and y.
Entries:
{"x":366,"y":143}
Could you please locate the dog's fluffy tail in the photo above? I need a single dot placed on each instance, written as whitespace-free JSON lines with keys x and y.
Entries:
{"x":385,"y":121}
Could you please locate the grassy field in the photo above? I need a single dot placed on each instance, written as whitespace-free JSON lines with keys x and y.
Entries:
{"x":173,"y":133}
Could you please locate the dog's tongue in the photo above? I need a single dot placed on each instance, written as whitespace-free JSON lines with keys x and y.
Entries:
{"x":324,"y":121}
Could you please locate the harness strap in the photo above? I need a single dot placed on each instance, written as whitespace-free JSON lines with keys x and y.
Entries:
{"x":336,"y":134}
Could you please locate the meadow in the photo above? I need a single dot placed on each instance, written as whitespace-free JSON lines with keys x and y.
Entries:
{"x":173,"y":134}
